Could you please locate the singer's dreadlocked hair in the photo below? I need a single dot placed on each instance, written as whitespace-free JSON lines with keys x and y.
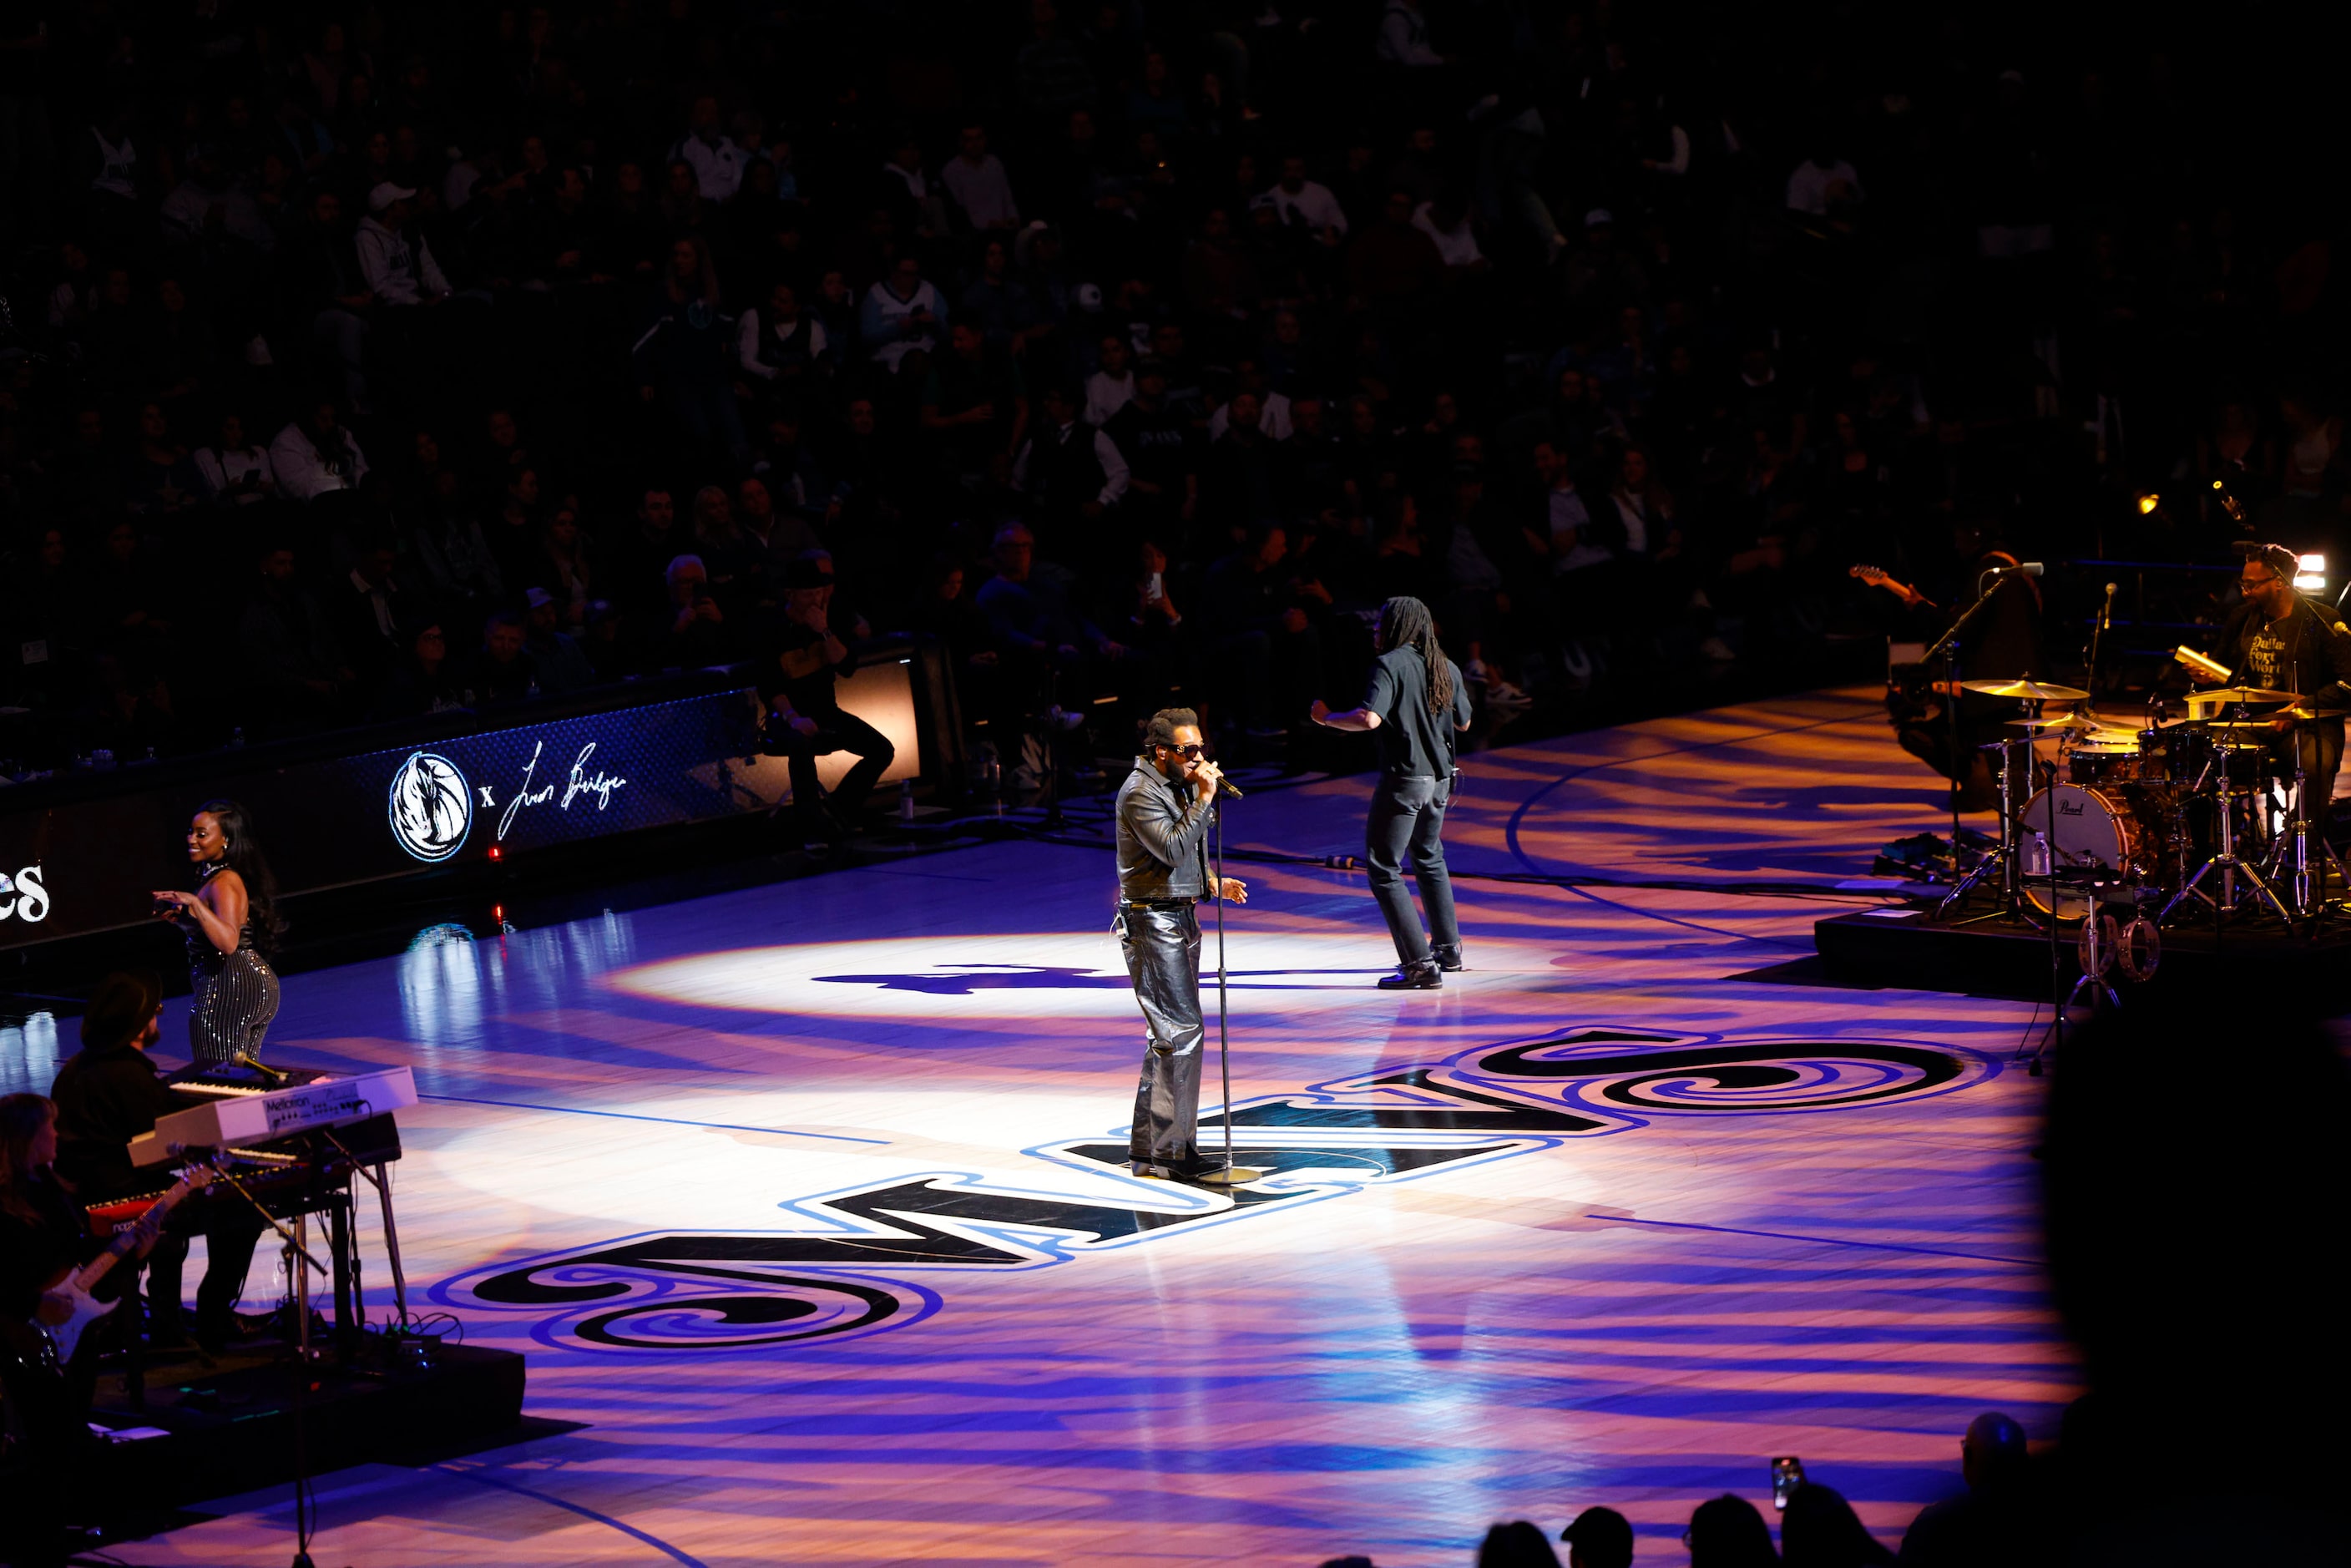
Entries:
{"x":1405,"y":623}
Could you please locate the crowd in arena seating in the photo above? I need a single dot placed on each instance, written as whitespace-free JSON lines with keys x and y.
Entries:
{"x":372,"y":360}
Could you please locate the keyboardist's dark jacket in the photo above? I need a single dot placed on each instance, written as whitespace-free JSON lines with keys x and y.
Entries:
{"x":106,"y":1098}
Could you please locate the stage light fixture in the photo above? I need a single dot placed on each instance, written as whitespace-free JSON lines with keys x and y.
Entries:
{"x":2148,"y":502}
{"x":2312,"y":577}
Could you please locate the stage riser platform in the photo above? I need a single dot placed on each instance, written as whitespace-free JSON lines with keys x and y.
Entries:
{"x":1909,"y":950}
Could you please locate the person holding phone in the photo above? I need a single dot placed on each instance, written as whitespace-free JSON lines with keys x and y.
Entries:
{"x":1415,"y":706}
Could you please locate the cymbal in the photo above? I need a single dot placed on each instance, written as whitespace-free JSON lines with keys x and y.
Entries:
{"x":2307,"y":715}
{"x":2025,"y":691}
{"x":2240,"y":695}
{"x":2238,"y":725}
{"x":2077,"y":723}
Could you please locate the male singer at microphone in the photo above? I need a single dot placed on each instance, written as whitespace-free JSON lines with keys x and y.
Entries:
{"x":1165,"y":809}
{"x":2003,"y":643}
{"x":2280,"y":641}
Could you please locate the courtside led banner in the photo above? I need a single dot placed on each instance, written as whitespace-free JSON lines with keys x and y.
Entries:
{"x":71,"y":865}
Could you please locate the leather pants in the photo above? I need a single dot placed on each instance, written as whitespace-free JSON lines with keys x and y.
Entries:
{"x":1163,"y":958}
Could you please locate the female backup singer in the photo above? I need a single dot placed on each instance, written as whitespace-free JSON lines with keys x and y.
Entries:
{"x":230,"y":924}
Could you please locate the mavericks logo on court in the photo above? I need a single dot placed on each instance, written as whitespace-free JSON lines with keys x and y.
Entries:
{"x":862,"y":1260}
{"x":24,"y":897}
{"x":431,"y":809}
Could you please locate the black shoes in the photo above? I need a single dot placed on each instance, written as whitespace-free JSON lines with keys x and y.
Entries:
{"x":1420,"y":976}
{"x":1448,"y":958}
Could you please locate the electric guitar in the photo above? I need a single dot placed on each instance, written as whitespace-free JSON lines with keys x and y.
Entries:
{"x":1877,"y":578}
{"x":50,"y":1346}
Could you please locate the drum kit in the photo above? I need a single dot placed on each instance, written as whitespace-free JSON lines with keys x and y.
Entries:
{"x":2181,"y":816}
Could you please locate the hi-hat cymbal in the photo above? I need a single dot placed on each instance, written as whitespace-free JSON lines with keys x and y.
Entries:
{"x":2240,"y":695}
{"x":2025,"y":691}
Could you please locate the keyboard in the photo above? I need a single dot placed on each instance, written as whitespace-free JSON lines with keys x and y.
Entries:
{"x":233,"y":1115}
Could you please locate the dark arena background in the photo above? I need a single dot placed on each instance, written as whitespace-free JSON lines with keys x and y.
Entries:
{"x":671,"y":520}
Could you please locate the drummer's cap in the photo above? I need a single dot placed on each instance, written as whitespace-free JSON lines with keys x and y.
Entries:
{"x":2277,"y":557}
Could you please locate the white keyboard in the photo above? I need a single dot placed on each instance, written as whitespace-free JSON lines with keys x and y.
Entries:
{"x":240,"y":1117}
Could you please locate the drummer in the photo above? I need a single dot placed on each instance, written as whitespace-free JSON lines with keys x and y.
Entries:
{"x":2277,"y":638}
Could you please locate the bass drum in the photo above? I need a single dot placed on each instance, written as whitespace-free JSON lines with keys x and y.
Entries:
{"x":2105,"y":838}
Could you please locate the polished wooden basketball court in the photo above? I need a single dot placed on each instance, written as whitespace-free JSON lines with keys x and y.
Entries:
{"x":806,"y":1200}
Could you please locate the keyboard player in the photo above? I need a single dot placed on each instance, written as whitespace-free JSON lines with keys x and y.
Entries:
{"x":109,"y":1092}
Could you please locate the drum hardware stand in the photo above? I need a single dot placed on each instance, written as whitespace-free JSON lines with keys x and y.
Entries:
{"x":2005,"y":857}
{"x":1946,"y":648}
{"x":2226,"y":859}
{"x":2308,"y":882}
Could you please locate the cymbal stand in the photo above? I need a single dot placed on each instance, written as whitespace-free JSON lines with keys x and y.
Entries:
{"x":2004,"y":857}
{"x":2294,"y":846}
{"x":2226,"y":859}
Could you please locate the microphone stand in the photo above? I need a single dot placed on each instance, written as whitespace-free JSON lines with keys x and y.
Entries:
{"x":1946,"y":648}
{"x":1224,"y":1038}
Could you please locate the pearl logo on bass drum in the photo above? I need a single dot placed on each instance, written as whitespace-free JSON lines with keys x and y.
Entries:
{"x":431,"y":808}
{"x":23,"y":896}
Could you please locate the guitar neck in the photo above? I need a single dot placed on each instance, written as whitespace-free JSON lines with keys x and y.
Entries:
{"x":121,"y":1247}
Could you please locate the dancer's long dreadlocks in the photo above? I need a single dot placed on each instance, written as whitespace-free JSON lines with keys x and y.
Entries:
{"x":1405,"y":623}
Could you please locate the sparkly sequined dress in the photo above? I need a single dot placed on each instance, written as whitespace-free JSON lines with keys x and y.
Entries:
{"x":235,"y":995}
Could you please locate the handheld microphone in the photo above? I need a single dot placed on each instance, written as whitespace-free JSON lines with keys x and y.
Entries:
{"x":1225,"y":786}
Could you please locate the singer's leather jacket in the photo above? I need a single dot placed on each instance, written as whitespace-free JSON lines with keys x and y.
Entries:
{"x":1163,"y":837}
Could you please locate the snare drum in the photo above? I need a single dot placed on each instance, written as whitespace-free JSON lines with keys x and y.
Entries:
{"x":2105,"y":837}
{"x":2097,"y":761}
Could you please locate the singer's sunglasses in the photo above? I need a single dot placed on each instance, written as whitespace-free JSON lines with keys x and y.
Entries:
{"x":1192,"y":753}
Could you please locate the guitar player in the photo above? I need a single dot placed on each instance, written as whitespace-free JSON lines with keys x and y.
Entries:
{"x":107,"y":1095}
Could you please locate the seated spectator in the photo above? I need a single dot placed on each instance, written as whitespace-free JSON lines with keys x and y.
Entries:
{"x":1306,"y":203}
{"x":715,"y":158}
{"x":641,"y":557}
{"x":695,"y":634}
{"x":397,"y":266}
{"x":1599,"y":1538}
{"x":291,"y":667}
{"x":368,"y":611}
{"x":779,"y":345}
{"x":561,"y":663}
{"x":1273,"y":420}
{"x":1516,"y":1545}
{"x":1070,"y":471}
{"x":162,"y":479}
{"x":1111,"y":388}
{"x":422,"y":680}
{"x":314,"y":455}
{"x":506,"y":672}
{"x":903,"y":314}
{"x":459,"y":566}
{"x":1728,"y":1533}
{"x":234,"y":469}
{"x":975,"y":407}
{"x":1040,"y":634}
{"x":1996,"y":1520}
{"x":1446,"y":221}
{"x":1821,"y":183}
{"x":802,"y":659}
{"x":1820,"y":1530}
{"x":684,"y":355}
{"x":974,"y":177}
{"x":566,"y":573}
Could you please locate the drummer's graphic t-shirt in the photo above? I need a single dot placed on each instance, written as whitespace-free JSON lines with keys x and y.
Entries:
{"x":2265,"y":656}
